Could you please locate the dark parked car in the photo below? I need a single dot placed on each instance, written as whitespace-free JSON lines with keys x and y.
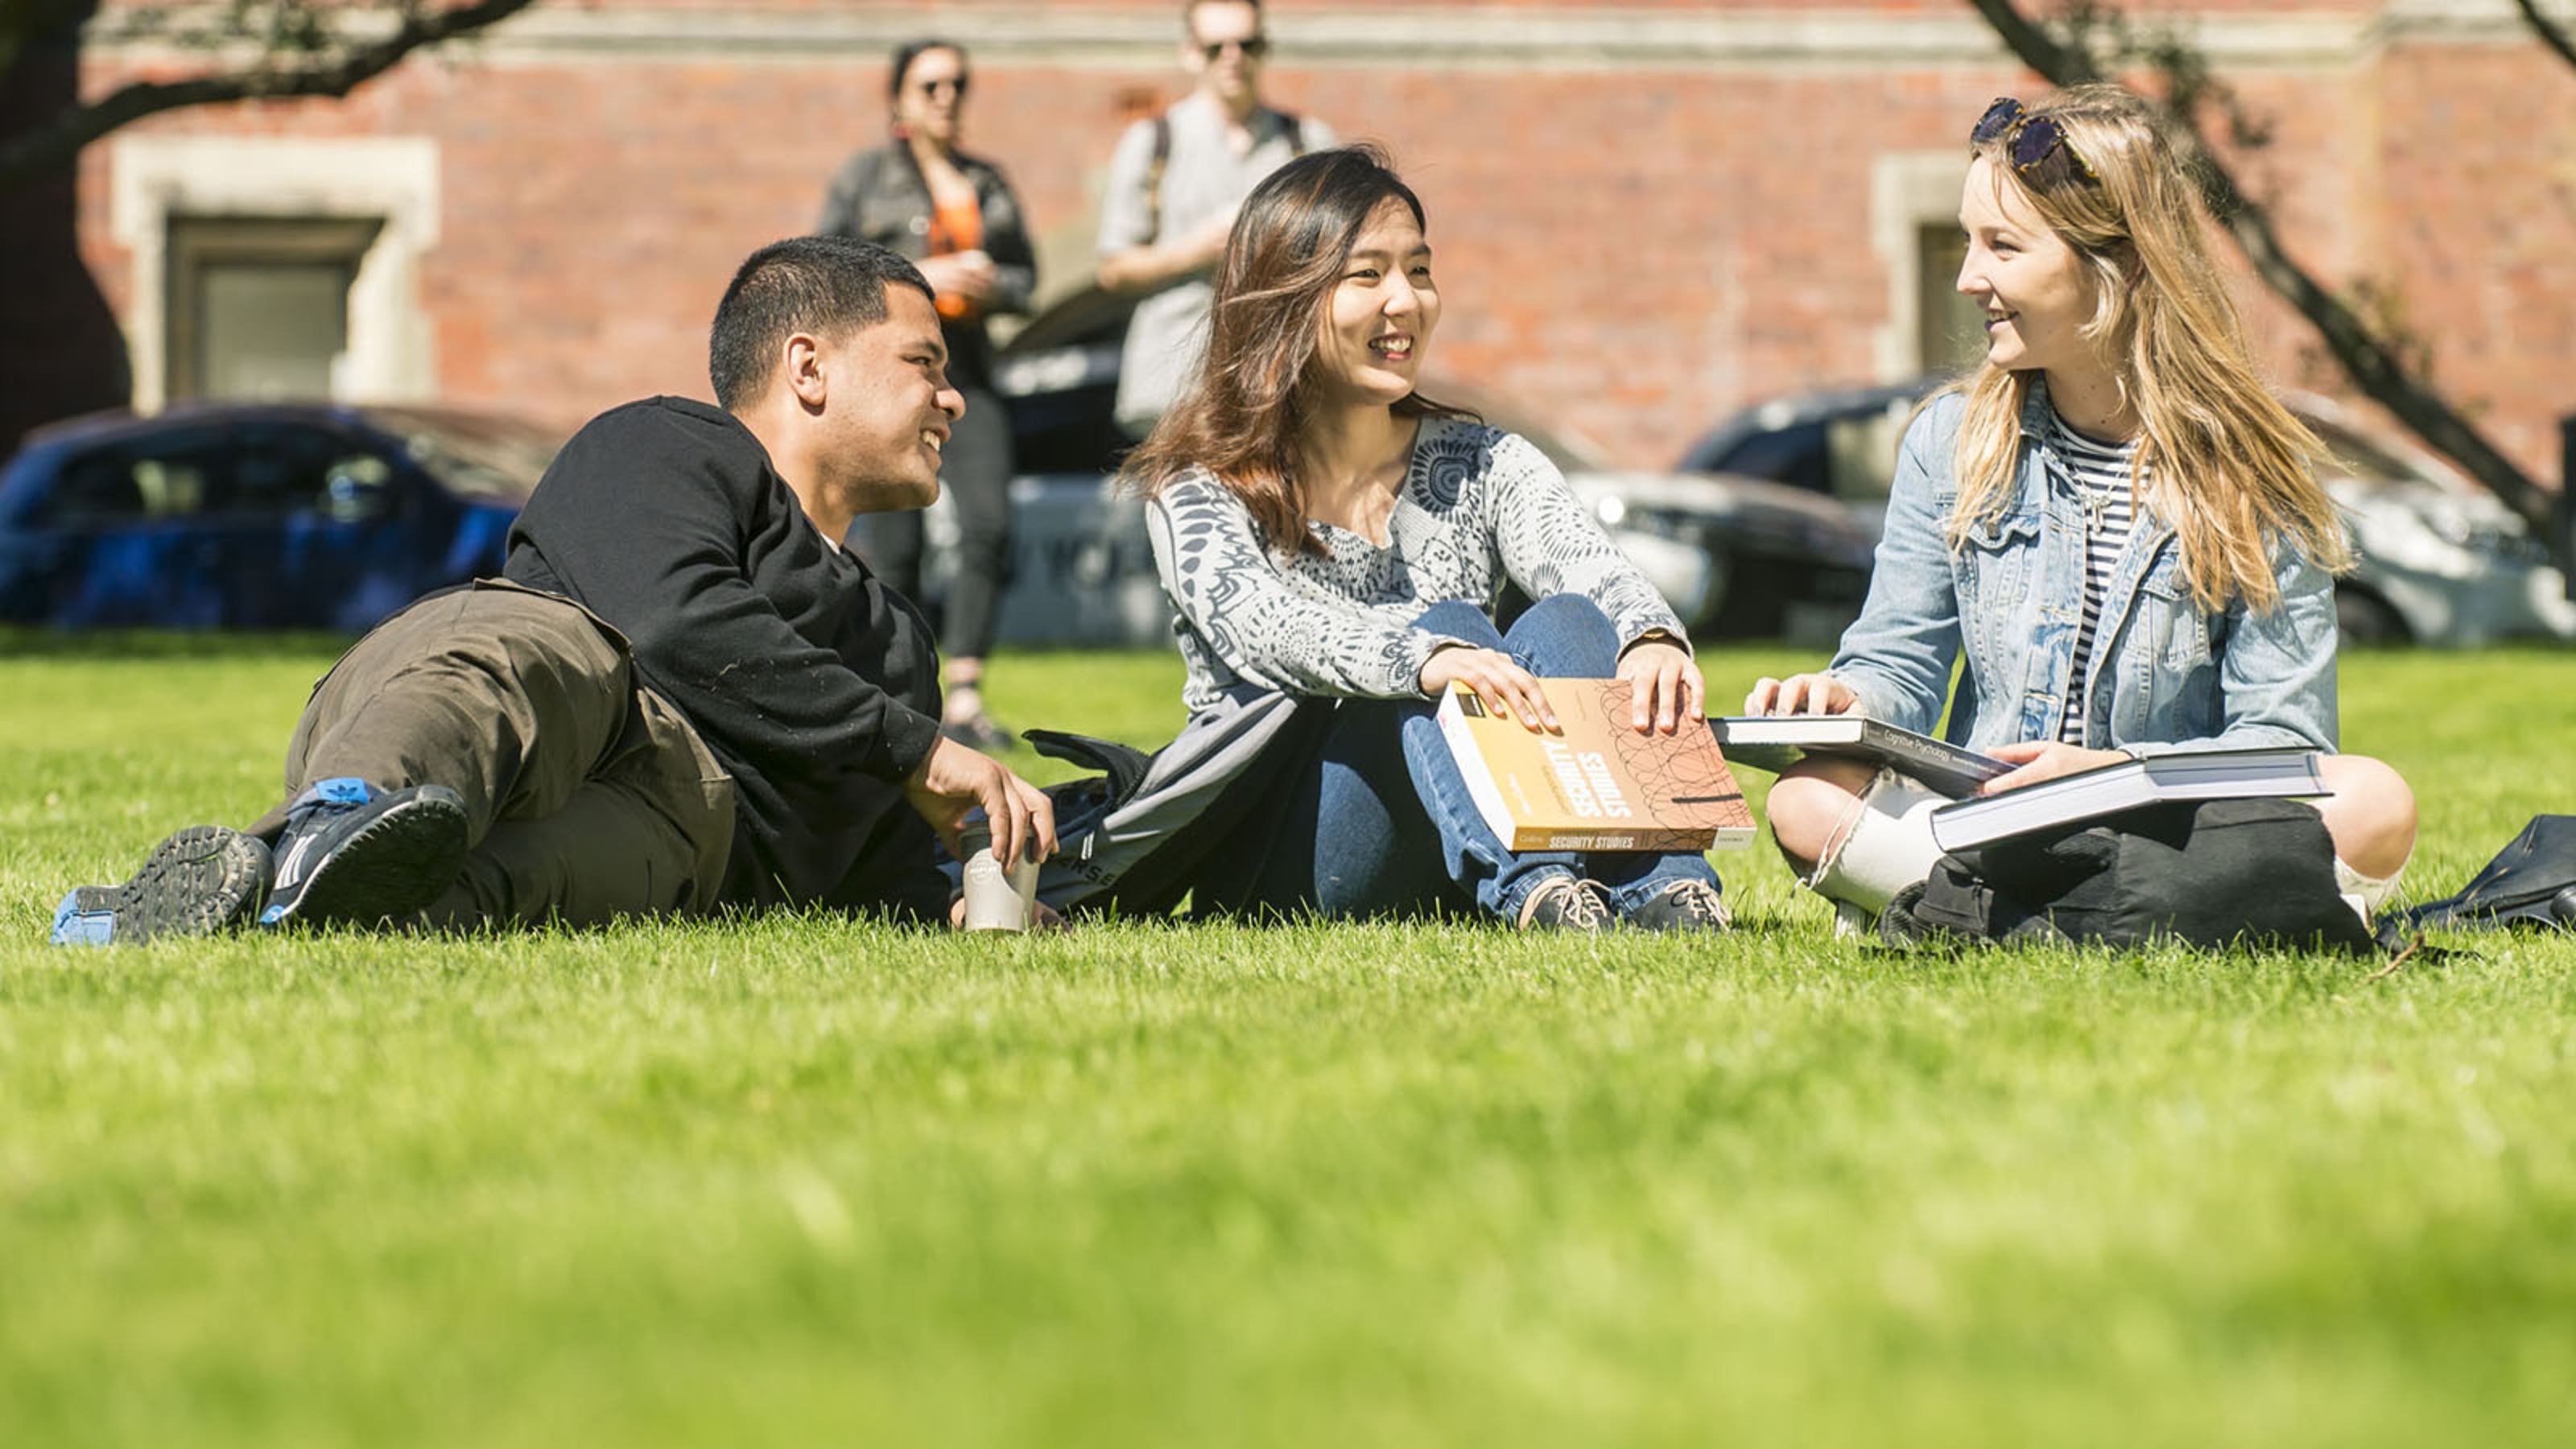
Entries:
{"x":257,"y":516}
{"x":2441,"y":560}
{"x":1736,"y":556}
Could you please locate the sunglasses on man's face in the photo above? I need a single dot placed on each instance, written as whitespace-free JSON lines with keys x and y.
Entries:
{"x":1253,"y":48}
{"x":936,"y":84}
{"x":2036,"y":146}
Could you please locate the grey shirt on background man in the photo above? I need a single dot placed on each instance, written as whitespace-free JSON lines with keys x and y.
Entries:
{"x":1201,"y":177}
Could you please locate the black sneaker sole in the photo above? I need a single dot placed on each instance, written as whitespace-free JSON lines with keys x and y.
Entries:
{"x":197,"y":882}
{"x":1896,"y":924}
{"x":404,"y":859}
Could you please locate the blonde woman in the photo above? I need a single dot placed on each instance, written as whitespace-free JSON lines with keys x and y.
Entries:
{"x":2112,"y":521}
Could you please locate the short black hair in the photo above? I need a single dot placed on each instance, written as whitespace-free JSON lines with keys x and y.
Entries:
{"x":817,"y":284}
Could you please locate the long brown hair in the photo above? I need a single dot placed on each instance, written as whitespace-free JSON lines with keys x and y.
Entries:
{"x":2228,"y":466}
{"x":1241,"y":416}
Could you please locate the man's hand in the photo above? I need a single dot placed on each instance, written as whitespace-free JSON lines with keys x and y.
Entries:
{"x":1202,"y":246}
{"x":2044,"y":760}
{"x":953,"y":780}
{"x":1498,"y":680}
{"x":1801,"y":694}
{"x":1665,"y":690}
{"x":1146,"y":267}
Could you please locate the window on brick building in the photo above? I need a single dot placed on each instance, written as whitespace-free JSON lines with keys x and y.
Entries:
{"x":1949,"y":333}
{"x":259,"y":306}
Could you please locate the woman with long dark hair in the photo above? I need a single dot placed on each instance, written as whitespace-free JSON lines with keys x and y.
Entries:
{"x":1327,"y":533}
{"x":955,"y":216}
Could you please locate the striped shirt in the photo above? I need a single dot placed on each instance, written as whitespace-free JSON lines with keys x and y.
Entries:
{"x":2101,"y":472}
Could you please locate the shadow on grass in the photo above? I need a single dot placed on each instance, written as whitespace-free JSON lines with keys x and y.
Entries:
{"x":22,"y":642}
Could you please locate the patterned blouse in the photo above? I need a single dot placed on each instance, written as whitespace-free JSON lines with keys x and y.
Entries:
{"x":1477,"y":505}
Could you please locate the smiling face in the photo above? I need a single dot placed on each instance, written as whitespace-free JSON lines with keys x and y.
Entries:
{"x":2035,"y":290}
{"x":889,"y":406}
{"x":1377,"y":320}
{"x":931,"y":97}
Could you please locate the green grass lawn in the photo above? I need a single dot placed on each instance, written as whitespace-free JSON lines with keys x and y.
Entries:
{"x":803,"y":1181}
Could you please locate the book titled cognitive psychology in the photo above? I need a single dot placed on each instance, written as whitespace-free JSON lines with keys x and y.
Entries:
{"x":2110,"y":789}
{"x":1600,"y":785}
{"x":1775,"y":742}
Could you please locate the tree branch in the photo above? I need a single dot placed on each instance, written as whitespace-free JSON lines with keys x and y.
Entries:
{"x":2374,"y":366}
{"x":2548,"y":30}
{"x":56,"y":141}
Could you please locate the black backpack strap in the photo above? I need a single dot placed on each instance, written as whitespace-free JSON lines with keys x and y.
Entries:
{"x":1154,"y":170}
{"x":1125,"y":765}
{"x":1296,"y":125}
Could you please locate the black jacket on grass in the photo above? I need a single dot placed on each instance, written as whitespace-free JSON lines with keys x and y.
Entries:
{"x":815,"y":684}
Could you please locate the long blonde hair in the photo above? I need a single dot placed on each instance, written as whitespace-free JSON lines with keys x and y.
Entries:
{"x":2226,"y":464}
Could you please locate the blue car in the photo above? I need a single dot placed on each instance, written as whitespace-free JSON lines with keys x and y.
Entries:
{"x":257,"y":516}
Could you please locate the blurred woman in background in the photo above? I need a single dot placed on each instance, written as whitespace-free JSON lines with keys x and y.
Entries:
{"x":957,"y":218}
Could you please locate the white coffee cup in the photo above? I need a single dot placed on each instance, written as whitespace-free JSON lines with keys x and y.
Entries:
{"x":998,"y":897}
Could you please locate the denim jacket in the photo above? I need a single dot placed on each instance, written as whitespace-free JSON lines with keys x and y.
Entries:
{"x":2167,"y":674}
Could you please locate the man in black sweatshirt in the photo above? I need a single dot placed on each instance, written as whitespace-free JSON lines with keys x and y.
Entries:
{"x":682,"y":695}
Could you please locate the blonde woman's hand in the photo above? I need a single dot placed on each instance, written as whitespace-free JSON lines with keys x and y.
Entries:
{"x":2044,"y":760}
{"x":1801,"y":694}
{"x":1665,"y":690}
{"x":1497,"y":678}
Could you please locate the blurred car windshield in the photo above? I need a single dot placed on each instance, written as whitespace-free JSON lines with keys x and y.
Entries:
{"x":1846,"y":451}
{"x":488,"y":459}
{"x":2361,"y":455}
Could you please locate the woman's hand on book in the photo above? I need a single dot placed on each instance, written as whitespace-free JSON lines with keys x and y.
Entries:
{"x":1665,"y":690}
{"x":1498,"y":680}
{"x":1801,"y":694}
{"x":2045,"y":760}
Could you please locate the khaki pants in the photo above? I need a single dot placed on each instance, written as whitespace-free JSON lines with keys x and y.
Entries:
{"x":587,"y":796}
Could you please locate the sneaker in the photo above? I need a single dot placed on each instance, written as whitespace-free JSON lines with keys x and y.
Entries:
{"x":195,"y":883}
{"x":1896,"y":924}
{"x":1685,"y":905}
{"x":1567,"y":903}
{"x":358,"y":856}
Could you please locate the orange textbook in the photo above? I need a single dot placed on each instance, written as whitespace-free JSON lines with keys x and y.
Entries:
{"x":1601,"y":785}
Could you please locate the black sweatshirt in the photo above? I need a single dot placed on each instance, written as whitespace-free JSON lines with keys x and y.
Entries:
{"x":815,"y":684}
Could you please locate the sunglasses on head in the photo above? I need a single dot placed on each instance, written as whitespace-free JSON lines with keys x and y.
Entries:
{"x":2035,"y":145}
{"x":1253,"y":47}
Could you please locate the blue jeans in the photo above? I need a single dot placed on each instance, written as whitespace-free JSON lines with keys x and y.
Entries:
{"x":1382,"y":823}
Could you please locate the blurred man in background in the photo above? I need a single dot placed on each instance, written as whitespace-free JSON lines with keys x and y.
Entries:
{"x":1174,"y":184}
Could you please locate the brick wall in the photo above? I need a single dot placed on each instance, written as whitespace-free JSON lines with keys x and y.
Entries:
{"x":1631,"y":248}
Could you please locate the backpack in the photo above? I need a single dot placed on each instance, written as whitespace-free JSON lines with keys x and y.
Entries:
{"x":2531,"y":882}
{"x":2210,"y":873}
{"x":1151,"y":829}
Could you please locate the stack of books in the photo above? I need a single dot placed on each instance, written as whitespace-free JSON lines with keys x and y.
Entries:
{"x":1776,"y":742}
